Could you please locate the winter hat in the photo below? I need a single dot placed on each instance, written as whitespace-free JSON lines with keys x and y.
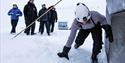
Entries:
{"x":31,"y":0}
{"x":82,"y":12}
{"x":14,"y":4}
{"x":43,"y":5}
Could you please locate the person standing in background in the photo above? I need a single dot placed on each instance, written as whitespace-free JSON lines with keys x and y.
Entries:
{"x":14,"y":13}
{"x":53,"y":18}
{"x":44,"y":20}
{"x":30,"y":14}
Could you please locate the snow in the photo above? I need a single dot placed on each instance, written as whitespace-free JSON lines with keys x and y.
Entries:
{"x":44,"y":48}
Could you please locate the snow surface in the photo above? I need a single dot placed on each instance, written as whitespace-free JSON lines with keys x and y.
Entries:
{"x":44,"y":48}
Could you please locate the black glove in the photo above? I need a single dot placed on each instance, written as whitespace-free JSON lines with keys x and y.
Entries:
{"x":108,"y":31}
{"x":109,"y":36}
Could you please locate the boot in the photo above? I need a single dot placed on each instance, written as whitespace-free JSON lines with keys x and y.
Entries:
{"x":76,"y":46}
{"x":48,"y":34}
{"x":64,"y":53}
{"x":33,"y":33}
{"x":94,"y":58}
{"x":95,"y":61}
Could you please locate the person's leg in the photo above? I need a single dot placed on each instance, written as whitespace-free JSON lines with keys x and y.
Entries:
{"x":14,"y":25}
{"x":66,"y":49}
{"x":42,"y":27}
{"x":52,"y":28}
{"x":32,"y":29}
{"x":39,"y":26}
{"x":82,"y":35}
{"x":26,"y":26}
{"x":97,"y":43}
{"x":28,"y":29}
{"x":47,"y":27}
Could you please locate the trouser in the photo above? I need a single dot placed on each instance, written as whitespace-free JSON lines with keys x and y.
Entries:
{"x":52,"y":24}
{"x":97,"y":39}
{"x":117,"y":48}
{"x":41,"y":28}
{"x":31,"y":28}
{"x":14,"y":24}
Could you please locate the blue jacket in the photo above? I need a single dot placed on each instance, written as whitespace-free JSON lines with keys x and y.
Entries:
{"x":15,"y":13}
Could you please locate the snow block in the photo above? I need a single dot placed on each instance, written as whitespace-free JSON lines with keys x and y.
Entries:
{"x":62,"y":25}
{"x":116,"y":52}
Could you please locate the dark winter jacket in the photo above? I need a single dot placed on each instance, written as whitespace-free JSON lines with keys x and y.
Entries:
{"x":15,"y":13}
{"x":53,"y":16}
{"x":30,"y":12}
{"x":45,"y":17}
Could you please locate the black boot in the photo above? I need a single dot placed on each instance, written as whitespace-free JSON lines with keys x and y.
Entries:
{"x":76,"y":46}
{"x":94,"y":58}
{"x":95,"y":61}
{"x":33,"y":33}
{"x":48,"y":34}
{"x":64,"y":53}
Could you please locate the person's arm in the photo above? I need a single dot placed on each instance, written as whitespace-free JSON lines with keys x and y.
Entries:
{"x":72,"y":35}
{"x":56,"y":16}
{"x":108,"y":31}
{"x":36,"y":12}
{"x":39,"y":16}
{"x":49,"y":15}
{"x":105,"y":26}
{"x":19,"y":13}
{"x":10,"y":12}
{"x":25,"y":11}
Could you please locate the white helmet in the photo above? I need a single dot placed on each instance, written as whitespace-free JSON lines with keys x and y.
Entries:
{"x":82,"y":12}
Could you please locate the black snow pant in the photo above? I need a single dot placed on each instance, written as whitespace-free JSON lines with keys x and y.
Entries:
{"x":97,"y":39}
{"x":31,"y":28}
{"x":41,"y":28}
{"x":52,"y":24}
{"x":14,"y":24}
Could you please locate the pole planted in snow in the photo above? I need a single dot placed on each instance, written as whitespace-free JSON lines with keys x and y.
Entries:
{"x":36,"y":19}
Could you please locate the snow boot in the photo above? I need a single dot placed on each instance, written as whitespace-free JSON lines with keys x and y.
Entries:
{"x":76,"y":46}
{"x":33,"y":33}
{"x":64,"y":53}
{"x":95,"y":61}
{"x":94,"y":58}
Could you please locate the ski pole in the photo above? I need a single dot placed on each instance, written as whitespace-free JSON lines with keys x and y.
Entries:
{"x":36,"y":19}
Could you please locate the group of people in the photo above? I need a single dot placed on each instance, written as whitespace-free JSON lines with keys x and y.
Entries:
{"x":30,"y":15}
{"x":48,"y":19}
{"x":85,"y":21}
